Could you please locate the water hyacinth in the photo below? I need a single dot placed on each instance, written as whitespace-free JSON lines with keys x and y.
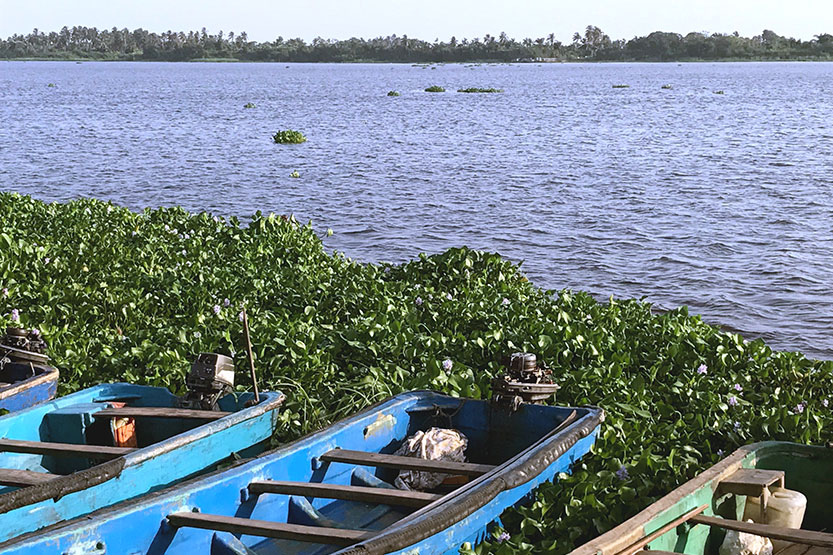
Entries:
{"x":733,"y":401}
{"x":825,"y":403}
{"x":447,"y":364}
{"x":217,"y":309}
{"x":226,"y":302}
{"x":622,"y":473}
{"x":738,"y":387}
{"x":349,"y":335}
{"x":702,"y":369}
{"x":503,"y":537}
{"x":15,"y":315}
{"x":289,"y":136}
{"x":418,"y":301}
{"x":4,"y":292}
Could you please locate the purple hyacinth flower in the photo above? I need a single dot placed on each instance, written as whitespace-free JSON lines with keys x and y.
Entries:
{"x":5,"y":291}
{"x":702,"y":369}
{"x":447,"y":364}
{"x":505,"y":301}
{"x":733,"y":401}
{"x":240,"y":316}
{"x":738,"y":387}
{"x":15,"y":315}
{"x":217,"y":309}
{"x":418,"y":301}
{"x":622,"y":473}
{"x":825,"y":403}
{"x":504,"y":536}
{"x":226,"y":302}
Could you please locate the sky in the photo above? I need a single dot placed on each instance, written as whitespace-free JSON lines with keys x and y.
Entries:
{"x":265,"y":20}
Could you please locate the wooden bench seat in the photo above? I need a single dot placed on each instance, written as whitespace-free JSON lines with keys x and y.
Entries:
{"x":63,"y":449}
{"x":404,"y":463}
{"x":268,"y":529}
{"x":160,"y":412}
{"x":386,"y":496}
{"x":22,"y":478}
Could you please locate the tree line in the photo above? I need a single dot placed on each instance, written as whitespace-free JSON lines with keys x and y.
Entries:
{"x":591,"y":45}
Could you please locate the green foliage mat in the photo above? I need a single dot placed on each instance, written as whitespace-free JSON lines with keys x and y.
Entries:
{"x":134,"y":297}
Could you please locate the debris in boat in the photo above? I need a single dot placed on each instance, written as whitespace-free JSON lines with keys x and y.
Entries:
{"x":741,"y":543}
{"x":437,"y":444}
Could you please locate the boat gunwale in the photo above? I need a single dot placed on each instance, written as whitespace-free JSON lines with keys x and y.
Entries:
{"x":62,"y":485}
{"x":633,"y":529}
{"x":13,"y":389}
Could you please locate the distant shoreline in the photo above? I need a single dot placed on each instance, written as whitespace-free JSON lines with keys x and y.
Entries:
{"x":493,"y":62}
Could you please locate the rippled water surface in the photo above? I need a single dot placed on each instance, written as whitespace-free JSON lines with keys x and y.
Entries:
{"x":718,"y":201}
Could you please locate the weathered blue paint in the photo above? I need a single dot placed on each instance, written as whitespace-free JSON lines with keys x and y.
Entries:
{"x":30,"y":391}
{"x":170,"y":450}
{"x":495,"y":437}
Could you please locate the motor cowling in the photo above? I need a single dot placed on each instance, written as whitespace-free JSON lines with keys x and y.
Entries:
{"x":22,"y":354}
{"x":211,"y":377}
{"x":525,"y":381}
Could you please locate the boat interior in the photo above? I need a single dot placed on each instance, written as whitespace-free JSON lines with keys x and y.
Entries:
{"x":78,"y":431}
{"x":337,"y":488}
{"x":14,"y":373}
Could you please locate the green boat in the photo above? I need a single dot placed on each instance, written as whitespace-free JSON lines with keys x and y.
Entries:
{"x":696,"y":517}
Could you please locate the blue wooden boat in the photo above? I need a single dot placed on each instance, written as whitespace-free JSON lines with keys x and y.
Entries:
{"x":25,"y":377}
{"x":68,"y":457}
{"x":331,"y":491}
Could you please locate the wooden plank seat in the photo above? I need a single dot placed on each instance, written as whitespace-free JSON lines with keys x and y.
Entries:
{"x":265,"y":528}
{"x":404,"y":463}
{"x":159,"y":412}
{"x":63,"y":449}
{"x":753,"y":482}
{"x":796,"y":535}
{"x":401,"y":498}
{"x":22,"y":478}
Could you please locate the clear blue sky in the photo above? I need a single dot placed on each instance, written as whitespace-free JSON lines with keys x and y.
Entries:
{"x":426,"y":19}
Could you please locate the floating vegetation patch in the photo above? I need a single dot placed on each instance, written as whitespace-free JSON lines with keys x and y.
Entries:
{"x":249,"y":105}
{"x":621,"y":86}
{"x":667,"y":87}
{"x":435,"y":88}
{"x":295,"y":174}
{"x":393,"y":93}
{"x":719,"y":92}
{"x":289,"y":137}
{"x":51,"y":85}
{"x":477,"y":90}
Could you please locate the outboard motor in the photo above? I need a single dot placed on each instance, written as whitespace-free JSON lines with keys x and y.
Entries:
{"x":211,"y":377}
{"x":22,"y":355}
{"x":525,"y":381}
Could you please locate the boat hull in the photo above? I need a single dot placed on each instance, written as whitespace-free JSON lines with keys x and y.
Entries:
{"x":520,"y":461}
{"x":190,"y":448}
{"x":29,"y":392}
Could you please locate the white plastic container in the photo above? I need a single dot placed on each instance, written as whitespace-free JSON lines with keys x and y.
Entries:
{"x":785,"y":508}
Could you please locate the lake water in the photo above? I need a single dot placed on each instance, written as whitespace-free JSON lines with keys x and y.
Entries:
{"x":683,"y":196}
